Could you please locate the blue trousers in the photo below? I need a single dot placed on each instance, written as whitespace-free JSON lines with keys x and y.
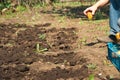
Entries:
{"x":114,"y":16}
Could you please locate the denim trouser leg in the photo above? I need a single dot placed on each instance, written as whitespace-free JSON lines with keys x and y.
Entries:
{"x":119,"y":22}
{"x":114,"y":16}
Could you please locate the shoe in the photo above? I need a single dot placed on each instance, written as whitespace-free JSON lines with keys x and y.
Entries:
{"x":106,"y":39}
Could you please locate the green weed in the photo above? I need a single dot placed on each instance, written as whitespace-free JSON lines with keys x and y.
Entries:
{"x":92,"y":66}
{"x":107,"y":62}
{"x":83,"y":40}
{"x":81,"y":22}
{"x":9,"y":45}
{"x":91,"y":77}
{"x":42,"y":36}
{"x":72,"y":4}
{"x":62,"y":19}
{"x":20,"y":8}
{"x":39,"y":49}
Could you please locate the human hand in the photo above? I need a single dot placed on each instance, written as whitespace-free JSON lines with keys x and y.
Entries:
{"x":90,"y":9}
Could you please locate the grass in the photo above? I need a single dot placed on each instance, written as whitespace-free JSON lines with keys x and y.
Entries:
{"x":60,"y":19}
{"x":20,"y":8}
{"x":72,"y":4}
{"x":98,"y":26}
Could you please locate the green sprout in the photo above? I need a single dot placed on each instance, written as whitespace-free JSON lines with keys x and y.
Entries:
{"x":42,"y":36}
{"x":39,"y":49}
{"x":91,"y":77}
{"x":91,"y":66}
{"x":82,"y":41}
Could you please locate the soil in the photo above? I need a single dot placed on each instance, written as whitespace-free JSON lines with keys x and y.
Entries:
{"x":48,"y":48}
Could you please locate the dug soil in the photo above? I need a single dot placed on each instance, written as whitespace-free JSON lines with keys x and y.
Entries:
{"x":50,"y":48}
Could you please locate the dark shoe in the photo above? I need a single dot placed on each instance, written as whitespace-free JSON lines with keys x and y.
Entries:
{"x":110,"y":38}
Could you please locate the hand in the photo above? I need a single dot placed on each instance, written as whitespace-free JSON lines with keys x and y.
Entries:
{"x":91,"y":9}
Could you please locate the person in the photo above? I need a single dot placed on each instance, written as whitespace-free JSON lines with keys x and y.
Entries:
{"x":114,"y":15}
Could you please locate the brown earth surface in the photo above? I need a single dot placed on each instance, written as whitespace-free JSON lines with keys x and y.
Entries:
{"x":45,"y":45}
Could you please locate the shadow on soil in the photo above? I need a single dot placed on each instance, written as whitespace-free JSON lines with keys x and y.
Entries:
{"x":77,"y":12}
{"x":92,"y":43}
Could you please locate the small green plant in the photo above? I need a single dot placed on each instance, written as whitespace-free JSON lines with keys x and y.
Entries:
{"x":83,"y":40}
{"x":75,"y":32}
{"x":91,"y":77}
{"x":6,"y":4}
{"x":62,"y":19}
{"x":42,"y":36}
{"x":92,"y":66}
{"x":20,"y":8}
{"x":9,"y":45}
{"x":39,"y":49}
{"x":107,"y":62}
{"x":81,"y":22}
{"x":65,"y":62}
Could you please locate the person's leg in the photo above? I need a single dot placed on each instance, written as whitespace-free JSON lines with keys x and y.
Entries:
{"x":114,"y":22}
{"x":114,"y":16}
{"x":119,"y":22}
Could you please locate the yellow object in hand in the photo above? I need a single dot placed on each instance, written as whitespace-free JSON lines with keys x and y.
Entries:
{"x":117,"y":36}
{"x":89,"y":15}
